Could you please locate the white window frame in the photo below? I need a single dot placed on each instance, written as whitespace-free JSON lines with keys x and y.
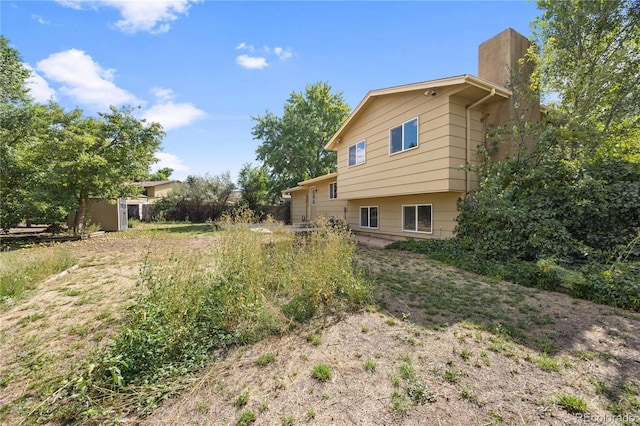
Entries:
{"x":364,"y":153}
{"x":416,"y":216}
{"x":333,"y":190}
{"x":314,"y":196}
{"x":368,"y":226}
{"x":402,"y":126}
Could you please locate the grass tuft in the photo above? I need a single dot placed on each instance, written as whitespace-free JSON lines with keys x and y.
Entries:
{"x":571,"y":403}
{"x":265,"y":359}
{"x":21,"y":270}
{"x":321,"y":372}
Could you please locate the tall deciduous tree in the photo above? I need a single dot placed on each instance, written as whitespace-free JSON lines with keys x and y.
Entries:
{"x":85,"y":157}
{"x":254,"y":186}
{"x":577,"y":198}
{"x":13,"y":75}
{"x":18,"y":124}
{"x":162,"y":174}
{"x":292,"y":147}
{"x":590,"y":58}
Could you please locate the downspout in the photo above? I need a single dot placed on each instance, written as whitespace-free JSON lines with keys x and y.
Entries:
{"x":468,"y":142}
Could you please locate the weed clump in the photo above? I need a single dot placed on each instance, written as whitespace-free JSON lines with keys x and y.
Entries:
{"x":321,"y":372}
{"x":19,"y":273}
{"x":245,"y":287}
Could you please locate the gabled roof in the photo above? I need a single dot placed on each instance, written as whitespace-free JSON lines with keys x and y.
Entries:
{"x":465,"y":81}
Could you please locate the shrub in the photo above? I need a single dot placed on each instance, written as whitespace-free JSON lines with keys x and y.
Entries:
{"x":197,"y":199}
{"x":616,"y":283}
{"x":552,"y":208}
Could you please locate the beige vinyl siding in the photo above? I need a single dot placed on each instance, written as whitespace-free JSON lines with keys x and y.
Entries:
{"x":160,"y":190}
{"x":102,"y":213}
{"x":443,"y":213}
{"x":326,"y":207}
{"x":298,"y":207}
{"x":434,"y":166}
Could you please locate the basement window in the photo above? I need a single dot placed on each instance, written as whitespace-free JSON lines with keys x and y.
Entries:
{"x":417,"y":218}
{"x":369,"y":217}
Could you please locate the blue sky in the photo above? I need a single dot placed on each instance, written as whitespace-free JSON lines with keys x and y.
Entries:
{"x":204,"y":68}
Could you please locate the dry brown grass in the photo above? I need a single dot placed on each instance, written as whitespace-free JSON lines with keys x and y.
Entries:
{"x":487,"y":352}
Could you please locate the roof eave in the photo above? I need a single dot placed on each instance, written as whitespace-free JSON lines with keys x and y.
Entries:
{"x":449,"y":81}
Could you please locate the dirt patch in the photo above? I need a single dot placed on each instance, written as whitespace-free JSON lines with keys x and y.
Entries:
{"x":64,"y":320}
{"x":444,"y":347}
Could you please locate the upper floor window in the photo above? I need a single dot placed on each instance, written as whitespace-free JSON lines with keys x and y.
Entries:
{"x":356,"y":153}
{"x":403,"y":137}
{"x":333,"y":190}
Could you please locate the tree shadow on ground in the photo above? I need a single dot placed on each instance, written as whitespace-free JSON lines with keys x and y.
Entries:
{"x":551,"y":325}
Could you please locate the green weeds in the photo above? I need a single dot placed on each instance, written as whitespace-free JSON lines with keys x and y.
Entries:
{"x":571,"y":403}
{"x":266,"y":359}
{"x":245,"y":287}
{"x":321,"y":372}
{"x":246,"y":418}
{"x":242,"y":398}
{"x":23,"y":269}
{"x":410,"y":390}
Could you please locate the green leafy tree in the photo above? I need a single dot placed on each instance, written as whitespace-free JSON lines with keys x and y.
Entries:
{"x":162,"y":174}
{"x":84,"y":157}
{"x":254,"y":186}
{"x":576,"y":196}
{"x":13,"y":76}
{"x":292,"y":147}
{"x":53,"y":161}
{"x":19,"y":124}
{"x":590,"y":58}
{"x":197,"y":199}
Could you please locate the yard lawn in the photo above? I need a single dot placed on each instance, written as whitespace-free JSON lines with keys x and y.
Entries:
{"x":442,"y":347}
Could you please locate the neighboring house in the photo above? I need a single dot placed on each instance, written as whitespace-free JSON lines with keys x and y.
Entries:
{"x":138,"y":207}
{"x":403,"y":151}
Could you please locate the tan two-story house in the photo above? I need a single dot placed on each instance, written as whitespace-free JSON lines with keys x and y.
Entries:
{"x":138,"y":207}
{"x":403,"y":153}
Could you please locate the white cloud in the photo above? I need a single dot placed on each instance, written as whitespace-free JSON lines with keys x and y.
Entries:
{"x":245,"y":46}
{"x":40,"y":19}
{"x":84,"y":80}
{"x":73,"y":4}
{"x":153,"y":16}
{"x":172,"y":115}
{"x":38,"y":87}
{"x":166,"y":159}
{"x":252,"y":62}
{"x":162,"y":94}
{"x":260,"y":62}
{"x":282,"y":53}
